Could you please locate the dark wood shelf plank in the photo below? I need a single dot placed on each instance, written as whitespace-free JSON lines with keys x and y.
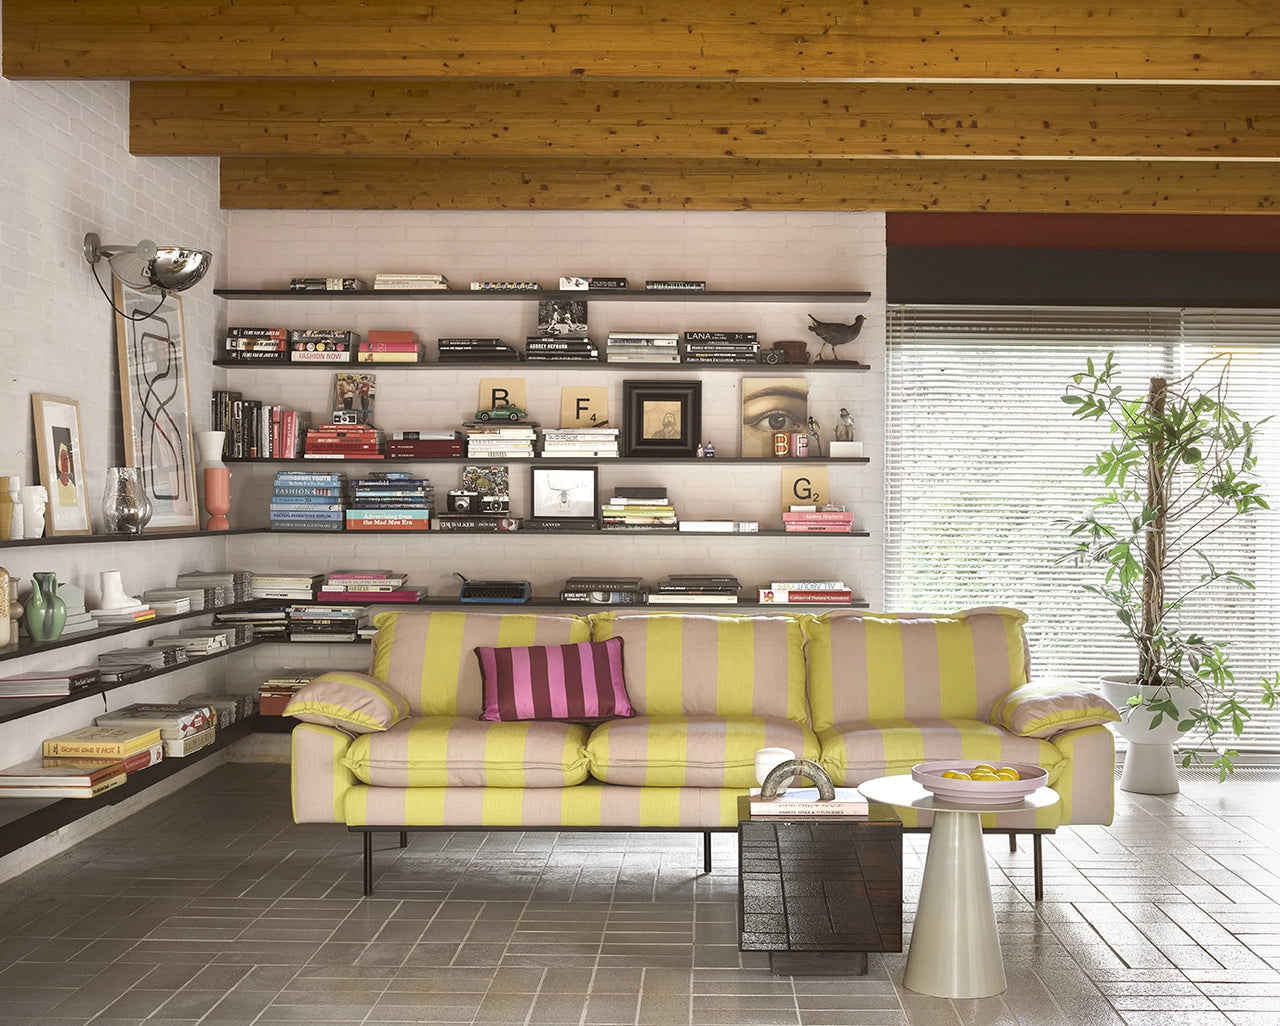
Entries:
{"x":592,"y":296}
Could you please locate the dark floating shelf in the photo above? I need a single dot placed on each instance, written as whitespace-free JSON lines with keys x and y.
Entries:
{"x":590,"y":295}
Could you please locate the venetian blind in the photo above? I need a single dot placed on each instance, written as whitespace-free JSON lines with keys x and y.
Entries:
{"x":984,"y":463}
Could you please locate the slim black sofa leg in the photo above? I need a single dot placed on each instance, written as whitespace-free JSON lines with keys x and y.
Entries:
{"x":1038,"y":860}
{"x":404,"y":838}
{"x":1013,"y":841}
{"x":368,"y":862}
{"x":706,"y":851}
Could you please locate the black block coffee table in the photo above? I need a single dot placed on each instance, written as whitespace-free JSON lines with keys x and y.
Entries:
{"x":819,"y":894}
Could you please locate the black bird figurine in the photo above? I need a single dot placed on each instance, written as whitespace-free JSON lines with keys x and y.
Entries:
{"x":833,"y":333}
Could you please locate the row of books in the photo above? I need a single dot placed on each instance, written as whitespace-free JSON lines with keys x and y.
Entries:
{"x":255,"y":429}
{"x":337,"y":586}
{"x":698,"y":589}
{"x":827,"y":519}
{"x":336,"y":622}
{"x":409,"y":280}
{"x":329,"y":502}
{"x":633,"y":506}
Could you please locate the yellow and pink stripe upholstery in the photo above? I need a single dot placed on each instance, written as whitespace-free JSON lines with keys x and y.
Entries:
{"x":691,"y":664}
{"x":429,"y":656}
{"x":874,"y":667}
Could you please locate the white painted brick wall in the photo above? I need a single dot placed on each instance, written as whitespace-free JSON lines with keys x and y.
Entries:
{"x":65,"y":170}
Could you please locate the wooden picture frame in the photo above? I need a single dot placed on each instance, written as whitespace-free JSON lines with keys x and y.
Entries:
{"x":156,"y":406}
{"x":563,"y":491}
{"x":59,"y":455}
{"x":661,"y":418}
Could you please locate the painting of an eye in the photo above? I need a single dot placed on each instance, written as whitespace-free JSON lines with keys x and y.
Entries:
{"x":769,"y":405}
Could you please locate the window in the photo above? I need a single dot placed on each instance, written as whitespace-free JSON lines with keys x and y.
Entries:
{"x":984,"y":462}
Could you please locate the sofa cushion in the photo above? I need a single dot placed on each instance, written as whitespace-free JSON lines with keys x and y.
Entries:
{"x":854,"y":752}
{"x":554,"y":682}
{"x":429,"y":656}
{"x":1044,"y":707}
{"x":696,"y":664}
{"x":350,"y":701}
{"x":690,"y":751}
{"x":884,"y":666}
{"x":454,"y":751}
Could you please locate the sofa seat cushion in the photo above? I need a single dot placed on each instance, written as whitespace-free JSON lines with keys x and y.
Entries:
{"x":854,"y":752}
{"x":702,"y":664}
{"x":452,"y":751}
{"x":690,"y":751}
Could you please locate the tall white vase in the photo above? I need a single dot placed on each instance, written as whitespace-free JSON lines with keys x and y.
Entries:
{"x":1150,"y":766}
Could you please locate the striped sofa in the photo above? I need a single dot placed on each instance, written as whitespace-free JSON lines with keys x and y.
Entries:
{"x":863,"y":694}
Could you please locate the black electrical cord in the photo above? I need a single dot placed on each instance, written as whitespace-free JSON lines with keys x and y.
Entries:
{"x":128,"y":317}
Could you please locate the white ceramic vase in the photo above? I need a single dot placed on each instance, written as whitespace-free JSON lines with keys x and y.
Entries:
{"x":113,"y":593}
{"x":35,"y":498}
{"x":1149,"y":763}
{"x":767,"y":759}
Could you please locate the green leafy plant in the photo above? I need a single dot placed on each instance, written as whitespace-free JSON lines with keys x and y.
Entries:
{"x":1179,"y":469}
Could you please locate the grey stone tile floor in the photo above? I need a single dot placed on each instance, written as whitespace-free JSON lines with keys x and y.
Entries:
{"x":212,"y":907}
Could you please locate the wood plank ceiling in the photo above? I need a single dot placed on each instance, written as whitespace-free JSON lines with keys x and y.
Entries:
{"x":1042,"y":106}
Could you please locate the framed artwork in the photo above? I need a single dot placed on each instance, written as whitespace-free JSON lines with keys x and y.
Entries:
{"x":156,"y":406}
{"x":661,"y":418}
{"x":58,"y":452}
{"x":559,"y":492}
{"x":770,"y":405}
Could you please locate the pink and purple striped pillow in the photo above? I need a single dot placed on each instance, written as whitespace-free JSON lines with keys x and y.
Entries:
{"x":580,"y":681}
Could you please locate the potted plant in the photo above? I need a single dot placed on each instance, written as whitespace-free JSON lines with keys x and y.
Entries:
{"x":1179,"y":470}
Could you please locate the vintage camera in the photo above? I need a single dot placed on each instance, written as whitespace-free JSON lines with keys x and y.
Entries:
{"x":495,"y":504}
{"x":770,"y":356}
{"x":463,"y":502}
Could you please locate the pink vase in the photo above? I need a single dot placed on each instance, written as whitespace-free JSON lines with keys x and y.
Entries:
{"x":217,"y":480}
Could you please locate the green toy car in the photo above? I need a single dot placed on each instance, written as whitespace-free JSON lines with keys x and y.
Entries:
{"x":501,"y":413}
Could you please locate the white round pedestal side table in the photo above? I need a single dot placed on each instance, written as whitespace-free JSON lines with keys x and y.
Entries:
{"x":955,"y":947}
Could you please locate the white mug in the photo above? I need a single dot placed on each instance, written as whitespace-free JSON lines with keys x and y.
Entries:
{"x":767,"y":759}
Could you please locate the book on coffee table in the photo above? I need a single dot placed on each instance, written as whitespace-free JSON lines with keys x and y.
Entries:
{"x":803,"y":802}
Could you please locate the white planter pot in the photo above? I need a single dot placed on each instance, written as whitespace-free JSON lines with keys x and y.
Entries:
{"x":1149,"y":764}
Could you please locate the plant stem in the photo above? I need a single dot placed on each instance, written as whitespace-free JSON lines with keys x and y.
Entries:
{"x":1152,"y":578}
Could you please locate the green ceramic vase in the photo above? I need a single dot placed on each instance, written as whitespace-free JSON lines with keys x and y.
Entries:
{"x":45,"y":612}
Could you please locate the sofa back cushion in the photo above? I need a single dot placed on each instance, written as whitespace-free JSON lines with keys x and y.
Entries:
{"x":430,"y":659}
{"x":694,"y":664}
{"x":891,"y":666}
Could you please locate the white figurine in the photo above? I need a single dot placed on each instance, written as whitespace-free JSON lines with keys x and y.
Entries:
{"x":34,"y":500}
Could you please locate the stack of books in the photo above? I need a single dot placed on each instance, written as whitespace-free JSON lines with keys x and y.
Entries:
{"x":492,"y":350}
{"x":256,"y":345}
{"x":604,"y":591}
{"x":170,"y":605}
{"x":696,"y":589}
{"x":326,"y":285}
{"x":257,"y":430}
{"x":721,"y":347}
{"x":33,"y":779}
{"x":120,"y":665}
{"x":221,"y":587}
{"x":183,"y":730}
{"x":126,"y":616}
{"x":49,"y":683}
{"x":803,"y":803}
{"x":275,"y":692}
{"x":105,"y":743}
{"x":326,"y":623}
{"x":317,"y":345}
{"x":200,"y":645}
{"x":282,"y":584}
{"x":390,"y":502}
{"x":642,"y":347}
{"x":639,"y":507}
{"x":270,"y":622}
{"x":78,"y":618}
{"x":558,"y":347}
{"x":802,"y":592}
{"x":384,"y":346}
{"x":579,"y":442}
{"x":303,"y":501}
{"x":221,"y":638}
{"x":410,"y":281}
{"x":505,"y":286}
{"x":490,"y":440}
{"x":343,"y":441}
{"x":236,"y":706}
{"x":823,"y":520}
{"x":368,"y":586}
{"x":674,"y":285}
{"x":425,"y":444}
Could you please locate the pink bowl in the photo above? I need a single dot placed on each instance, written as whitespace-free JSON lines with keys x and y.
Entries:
{"x":978,"y":792}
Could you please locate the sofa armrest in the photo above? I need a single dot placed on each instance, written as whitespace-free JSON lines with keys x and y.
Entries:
{"x":320,"y":780}
{"x":1045,"y":707}
{"x":1087,"y":783}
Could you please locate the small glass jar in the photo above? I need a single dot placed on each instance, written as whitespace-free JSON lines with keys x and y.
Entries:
{"x":126,"y":507}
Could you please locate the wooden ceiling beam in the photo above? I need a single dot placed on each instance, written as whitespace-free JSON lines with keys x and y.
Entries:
{"x":1010,"y":185}
{"x":802,"y":39}
{"x":703,"y":119}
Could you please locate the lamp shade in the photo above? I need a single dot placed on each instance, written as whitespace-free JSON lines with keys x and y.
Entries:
{"x":151,"y":268}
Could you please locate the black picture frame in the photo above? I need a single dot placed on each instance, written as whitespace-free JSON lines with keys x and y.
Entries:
{"x":661,"y":418}
{"x":564,"y":491}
